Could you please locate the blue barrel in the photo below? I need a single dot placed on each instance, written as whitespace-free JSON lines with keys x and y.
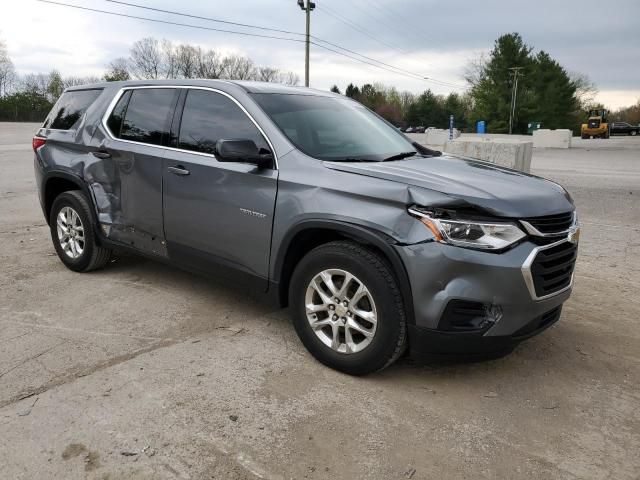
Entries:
{"x":481,"y":127}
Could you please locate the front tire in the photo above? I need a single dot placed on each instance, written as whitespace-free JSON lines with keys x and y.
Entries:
{"x":73,"y":233}
{"x":347,"y":308}
{"x":634,"y":133}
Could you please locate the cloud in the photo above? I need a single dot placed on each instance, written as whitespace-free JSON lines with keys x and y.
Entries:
{"x":429,"y":37}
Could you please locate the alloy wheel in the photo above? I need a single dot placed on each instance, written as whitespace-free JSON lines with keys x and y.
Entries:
{"x":70,"y":232}
{"x":341,"y":311}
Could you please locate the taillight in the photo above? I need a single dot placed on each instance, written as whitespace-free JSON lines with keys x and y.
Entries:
{"x":37,"y":142}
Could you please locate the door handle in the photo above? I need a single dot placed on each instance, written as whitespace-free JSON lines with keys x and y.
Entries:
{"x":101,"y":154}
{"x":179,"y":170}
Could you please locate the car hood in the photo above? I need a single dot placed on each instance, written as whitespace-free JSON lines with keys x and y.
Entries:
{"x":497,"y":190}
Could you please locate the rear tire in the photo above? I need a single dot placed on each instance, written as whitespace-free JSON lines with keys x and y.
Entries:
{"x":634,"y":133}
{"x":342,"y":337}
{"x":73,"y":233}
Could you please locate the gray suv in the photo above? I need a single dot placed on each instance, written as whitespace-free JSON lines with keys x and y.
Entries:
{"x":377,"y":244}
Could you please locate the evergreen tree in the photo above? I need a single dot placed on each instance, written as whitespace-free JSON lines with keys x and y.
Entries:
{"x":352,"y":91}
{"x":428,"y":111}
{"x":493,"y":86}
{"x":554,"y":93}
{"x":335,"y":89}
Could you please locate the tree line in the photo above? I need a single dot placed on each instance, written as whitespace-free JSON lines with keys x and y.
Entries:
{"x":547,"y":93}
{"x":30,"y":97}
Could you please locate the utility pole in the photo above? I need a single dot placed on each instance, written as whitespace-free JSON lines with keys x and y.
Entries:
{"x":515,"y":71}
{"x":307,"y":6}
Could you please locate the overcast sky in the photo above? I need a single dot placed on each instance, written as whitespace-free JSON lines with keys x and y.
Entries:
{"x":431,"y":38}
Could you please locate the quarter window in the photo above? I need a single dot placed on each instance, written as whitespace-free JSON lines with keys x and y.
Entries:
{"x":209,"y":117}
{"x":147,"y":117}
{"x":69,"y":108}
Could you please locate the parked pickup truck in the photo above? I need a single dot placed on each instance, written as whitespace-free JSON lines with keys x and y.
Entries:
{"x":623,"y":128}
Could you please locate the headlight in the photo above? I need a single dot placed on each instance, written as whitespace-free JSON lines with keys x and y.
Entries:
{"x":470,"y":233}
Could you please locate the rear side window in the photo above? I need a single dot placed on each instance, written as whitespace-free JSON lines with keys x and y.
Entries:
{"x":147,"y":117}
{"x":117,"y":114}
{"x":69,"y":108}
{"x":208,"y":117}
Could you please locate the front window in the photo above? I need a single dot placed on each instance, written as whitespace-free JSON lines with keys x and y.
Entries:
{"x":334,"y":129}
{"x":209,"y":117}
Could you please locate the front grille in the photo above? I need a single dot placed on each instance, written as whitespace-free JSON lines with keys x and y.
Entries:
{"x":552,"y":268}
{"x":552,"y":223}
{"x":594,"y":123}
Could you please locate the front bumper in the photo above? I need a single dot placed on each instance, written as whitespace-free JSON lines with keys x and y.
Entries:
{"x":441,"y":273}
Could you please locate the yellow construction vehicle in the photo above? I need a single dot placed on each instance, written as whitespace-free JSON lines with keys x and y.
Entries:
{"x":597,"y":126}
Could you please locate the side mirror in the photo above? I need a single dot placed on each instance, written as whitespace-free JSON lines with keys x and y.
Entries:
{"x":245,"y":151}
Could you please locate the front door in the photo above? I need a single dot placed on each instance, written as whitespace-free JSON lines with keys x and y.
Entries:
{"x":217,"y":215}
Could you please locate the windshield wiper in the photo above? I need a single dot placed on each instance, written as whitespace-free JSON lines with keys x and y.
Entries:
{"x":400,"y":156}
{"x":348,"y":159}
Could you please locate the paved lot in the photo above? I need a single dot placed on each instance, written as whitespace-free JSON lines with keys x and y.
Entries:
{"x":142,"y":371}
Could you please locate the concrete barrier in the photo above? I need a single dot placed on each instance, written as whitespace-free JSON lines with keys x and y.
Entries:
{"x":509,"y":153}
{"x":436,"y":136}
{"x":552,"y":138}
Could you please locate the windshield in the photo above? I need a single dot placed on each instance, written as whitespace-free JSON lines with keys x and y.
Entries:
{"x":335,"y":129}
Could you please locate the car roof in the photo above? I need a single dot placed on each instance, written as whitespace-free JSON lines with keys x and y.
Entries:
{"x":247,"y":86}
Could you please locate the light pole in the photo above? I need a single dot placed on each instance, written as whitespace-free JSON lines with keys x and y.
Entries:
{"x":514,"y":95}
{"x":307,"y":6}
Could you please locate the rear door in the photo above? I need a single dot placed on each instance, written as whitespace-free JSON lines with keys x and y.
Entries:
{"x":217,"y":215}
{"x":131,"y":200}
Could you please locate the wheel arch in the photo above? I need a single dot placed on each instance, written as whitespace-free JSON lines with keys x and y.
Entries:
{"x":56,"y":182}
{"x":310,"y":234}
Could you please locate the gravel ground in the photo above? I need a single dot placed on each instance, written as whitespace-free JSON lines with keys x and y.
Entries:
{"x":142,"y":371}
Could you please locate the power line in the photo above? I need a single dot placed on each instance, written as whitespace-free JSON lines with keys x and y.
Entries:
{"x":204,"y":18}
{"x":383,"y":66}
{"x":172,"y":12}
{"x":217,"y":20}
{"x":358,"y":28}
{"x":318,"y":39}
{"x":402,"y":18}
{"x":167,"y":22}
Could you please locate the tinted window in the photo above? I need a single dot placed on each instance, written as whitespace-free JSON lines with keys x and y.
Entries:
{"x":209,"y":117}
{"x":148,"y":115}
{"x":332,"y":128}
{"x":115,"y":119}
{"x":69,"y":108}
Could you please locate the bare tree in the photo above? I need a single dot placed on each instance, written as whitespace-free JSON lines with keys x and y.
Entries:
{"x":7,"y":72}
{"x":267,"y":74}
{"x":117,"y":70}
{"x":210,"y":65}
{"x":474,"y":70}
{"x":35,"y":83}
{"x":146,"y":60}
{"x":586,"y":90}
{"x":289,"y":78}
{"x":150,"y":59}
{"x":187,"y":60}
{"x":74,"y":81}
{"x":236,"y":67}
{"x":406,"y":100}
